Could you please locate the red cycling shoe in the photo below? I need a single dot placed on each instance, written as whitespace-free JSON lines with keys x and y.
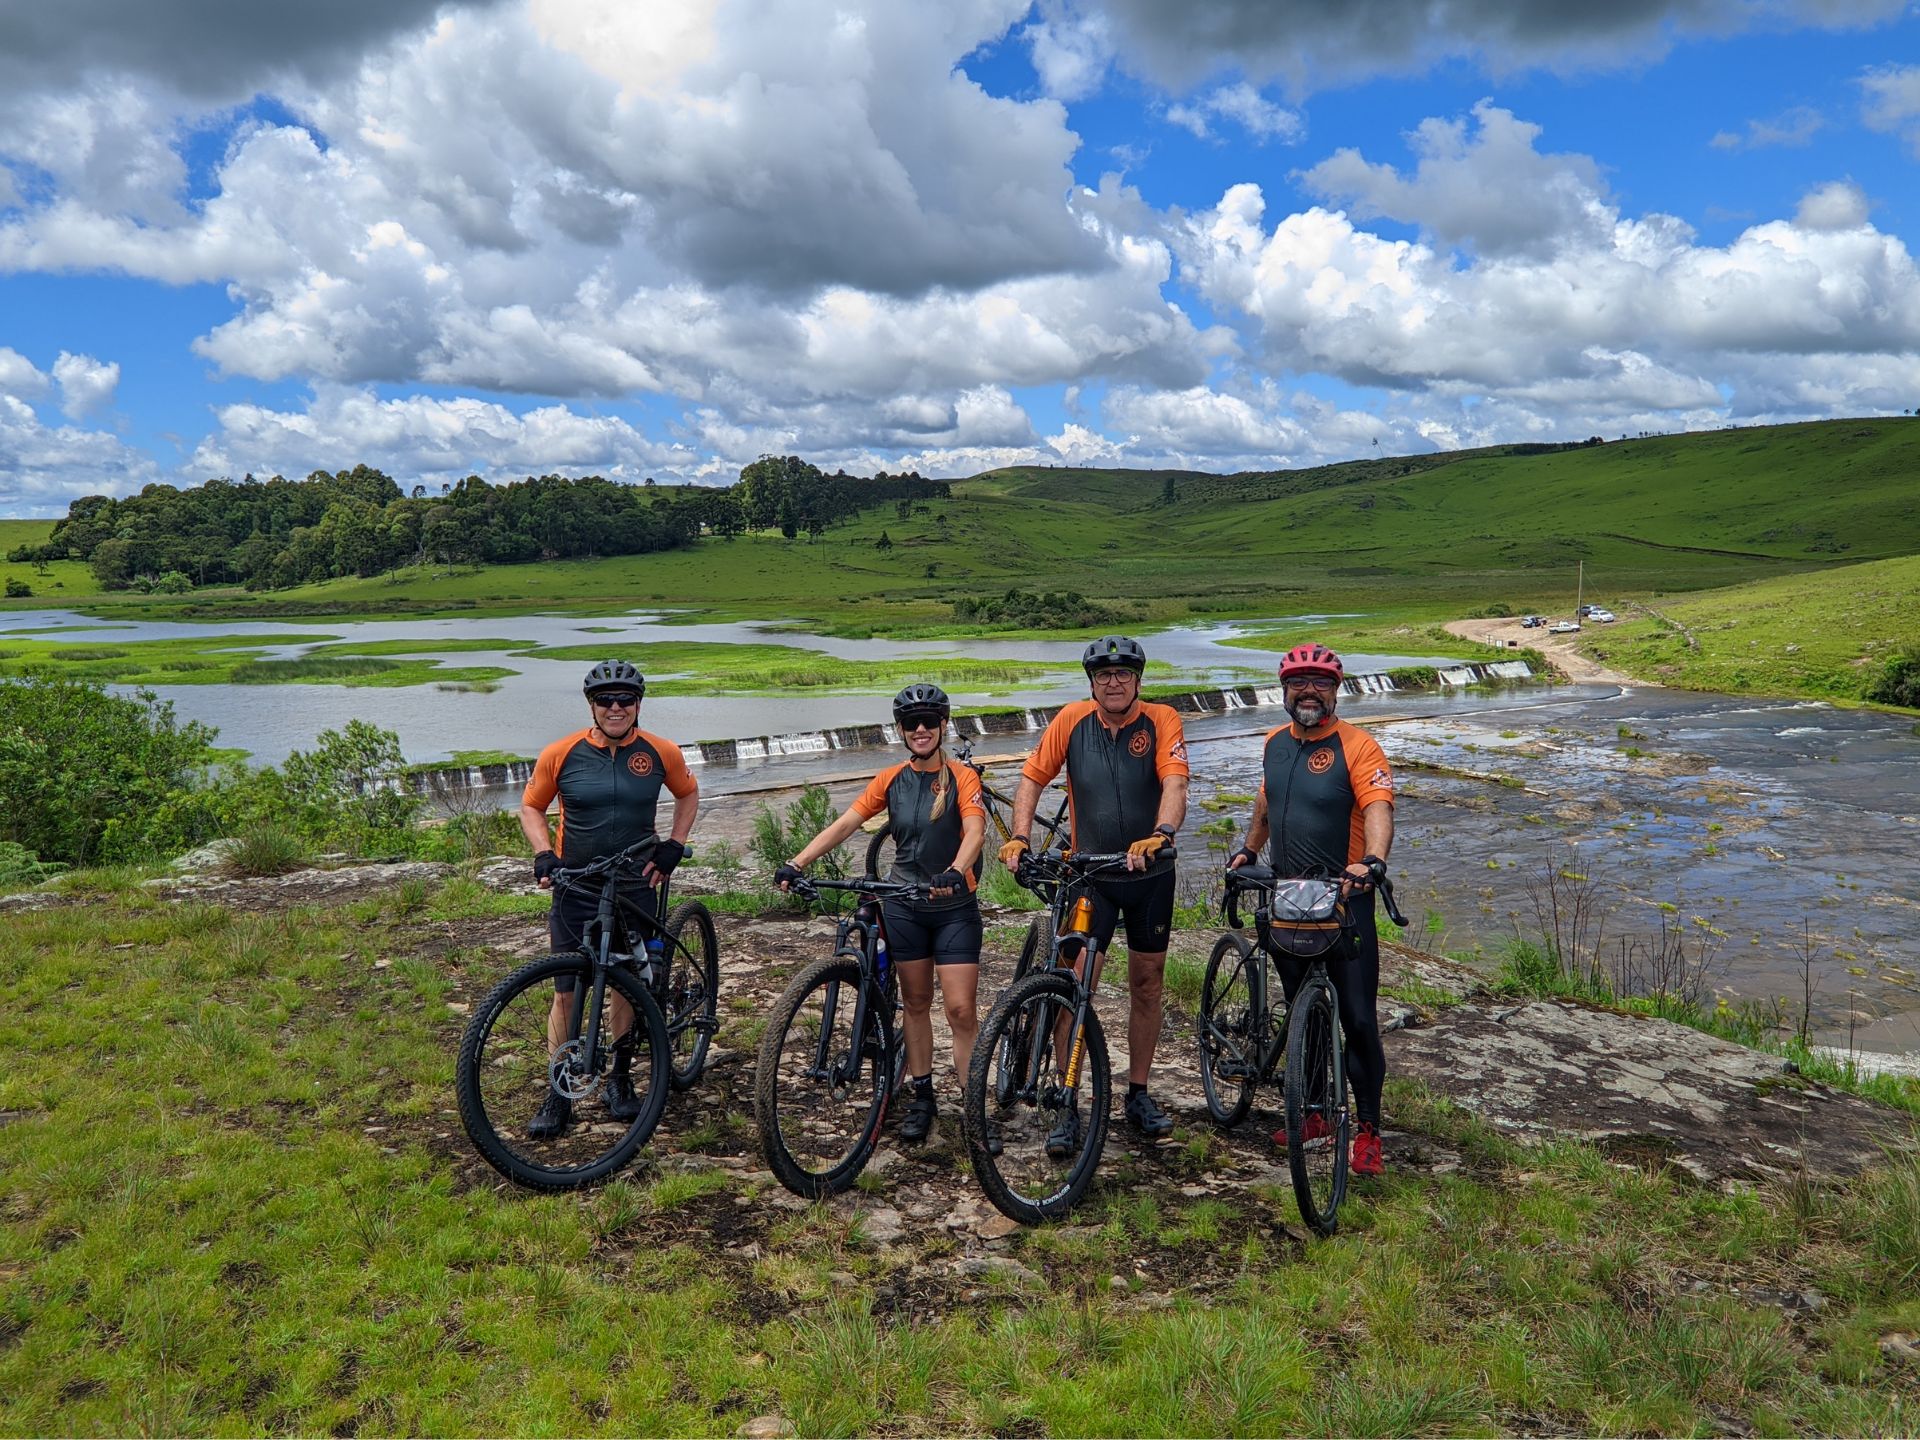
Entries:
{"x":1316,"y":1128}
{"x":1366,"y":1158}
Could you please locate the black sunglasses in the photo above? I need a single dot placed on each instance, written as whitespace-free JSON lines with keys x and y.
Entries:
{"x":624,"y":698}
{"x":935,"y":723}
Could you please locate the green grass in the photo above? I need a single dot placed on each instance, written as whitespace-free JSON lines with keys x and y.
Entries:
{"x":55,"y":585}
{"x":247,"y":1220}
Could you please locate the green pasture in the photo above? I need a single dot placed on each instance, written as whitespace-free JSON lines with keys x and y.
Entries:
{"x":1825,"y":634}
{"x":55,"y":583}
{"x":249,"y":1213}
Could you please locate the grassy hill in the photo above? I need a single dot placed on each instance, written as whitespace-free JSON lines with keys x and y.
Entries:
{"x":1421,"y":535}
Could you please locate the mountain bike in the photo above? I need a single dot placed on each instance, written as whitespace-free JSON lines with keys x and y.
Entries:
{"x":1038,"y":1049}
{"x":1246,"y":1028}
{"x":833,"y":1052}
{"x":999,"y":811}
{"x":668,"y":971}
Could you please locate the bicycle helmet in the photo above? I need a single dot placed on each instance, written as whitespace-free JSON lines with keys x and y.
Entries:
{"x":614,"y":675}
{"x":1311,"y":658}
{"x":1111,"y":650}
{"x":920,"y":699}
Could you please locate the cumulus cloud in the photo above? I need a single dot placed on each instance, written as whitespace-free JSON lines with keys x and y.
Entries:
{"x":1891,"y":102}
{"x":86,"y":385}
{"x":1070,"y":52}
{"x":19,"y":376}
{"x":1246,"y":107}
{"x":1310,"y":46}
{"x":44,"y":468}
{"x":1484,"y":185}
{"x":1794,"y":128}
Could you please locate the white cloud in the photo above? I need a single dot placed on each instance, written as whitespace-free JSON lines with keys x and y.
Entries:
{"x":1486,"y":186}
{"x":429,"y":439}
{"x":1070,"y":52}
{"x":1891,"y":102}
{"x":1837,"y":205}
{"x":43,"y":468}
{"x":87,"y":385}
{"x":19,"y":376}
{"x":1246,"y":107}
{"x":1793,"y":128}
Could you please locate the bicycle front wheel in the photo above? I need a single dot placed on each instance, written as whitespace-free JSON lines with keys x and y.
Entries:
{"x":1231,"y":1029}
{"x":1035,"y":1152}
{"x":818,"y":1096}
{"x":1010,"y":1054}
{"x":1318,"y":1119}
{"x":508,"y":1079}
{"x":691,"y":995}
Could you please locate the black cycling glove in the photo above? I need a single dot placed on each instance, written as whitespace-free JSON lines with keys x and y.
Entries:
{"x":1246,"y":854}
{"x":948,"y":880}
{"x":787,"y":874}
{"x":666,"y":855}
{"x":544,"y":864}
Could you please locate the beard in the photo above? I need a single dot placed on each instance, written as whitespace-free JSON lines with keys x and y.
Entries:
{"x":1310,"y":712}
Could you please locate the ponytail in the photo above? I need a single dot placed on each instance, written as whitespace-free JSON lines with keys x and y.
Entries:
{"x":942,"y":782}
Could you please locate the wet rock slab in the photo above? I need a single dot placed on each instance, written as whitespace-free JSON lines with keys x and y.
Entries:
{"x":1643,"y":1089}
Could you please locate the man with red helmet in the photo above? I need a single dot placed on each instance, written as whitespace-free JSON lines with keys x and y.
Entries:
{"x":1326,"y":808}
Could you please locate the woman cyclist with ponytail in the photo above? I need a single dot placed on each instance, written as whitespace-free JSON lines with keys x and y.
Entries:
{"x":933,"y":804}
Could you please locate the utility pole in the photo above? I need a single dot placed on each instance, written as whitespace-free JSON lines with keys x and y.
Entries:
{"x":1579,"y":589}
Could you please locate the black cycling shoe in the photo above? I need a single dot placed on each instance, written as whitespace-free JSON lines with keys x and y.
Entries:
{"x":916,"y":1124}
{"x":552,"y":1118}
{"x":1147,"y":1118}
{"x":622,"y":1101}
{"x":1064,"y":1139}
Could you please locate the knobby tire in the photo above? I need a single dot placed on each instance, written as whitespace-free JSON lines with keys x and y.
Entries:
{"x":692,"y":989}
{"x":1316,"y":1086}
{"x":818,"y":1135}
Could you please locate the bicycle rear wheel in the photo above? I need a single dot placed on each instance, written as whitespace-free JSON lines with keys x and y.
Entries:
{"x":1231,"y":1028}
{"x":880,"y":852}
{"x":1318,"y":1119}
{"x":819,"y":1106}
{"x":1009,"y":1055}
{"x":1007,"y":1141}
{"x":691,"y":993}
{"x":505,"y":1074}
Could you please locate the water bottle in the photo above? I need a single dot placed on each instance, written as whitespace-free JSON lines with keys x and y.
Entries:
{"x":656,"y":954}
{"x":881,"y":961}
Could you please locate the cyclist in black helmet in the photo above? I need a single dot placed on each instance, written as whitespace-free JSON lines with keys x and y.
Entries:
{"x":933,"y":804}
{"x":607,"y":778}
{"x":1126,"y":764}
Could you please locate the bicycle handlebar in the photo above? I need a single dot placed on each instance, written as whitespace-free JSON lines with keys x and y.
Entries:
{"x":1261,"y":877}
{"x":573,"y":875}
{"x":808,"y":888}
{"x":1034,"y":865}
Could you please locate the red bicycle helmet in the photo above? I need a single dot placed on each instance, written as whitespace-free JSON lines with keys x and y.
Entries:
{"x":1311,"y":658}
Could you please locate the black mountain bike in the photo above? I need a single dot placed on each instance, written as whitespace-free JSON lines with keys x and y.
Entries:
{"x":833,"y":1052}
{"x":667,"y":971}
{"x":999,"y":811}
{"x":1246,"y":1027}
{"x":1032,"y":1144}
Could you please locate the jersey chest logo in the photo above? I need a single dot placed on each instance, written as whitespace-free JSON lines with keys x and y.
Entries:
{"x":1320,"y":761}
{"x":640,"y":763}
{"x":1140,"y":744}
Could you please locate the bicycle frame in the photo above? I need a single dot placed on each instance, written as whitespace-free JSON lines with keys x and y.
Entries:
{"x":858,"y":937}
{"x":995,"y":801}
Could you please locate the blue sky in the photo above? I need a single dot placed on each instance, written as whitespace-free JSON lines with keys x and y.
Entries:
{"x":539,"y":235}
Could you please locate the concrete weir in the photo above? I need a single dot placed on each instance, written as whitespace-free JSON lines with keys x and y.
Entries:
{"x":442,"y":780}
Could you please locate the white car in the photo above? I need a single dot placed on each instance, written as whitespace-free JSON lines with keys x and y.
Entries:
{"x":1605,"y":617}
{"x":1563,"y":627}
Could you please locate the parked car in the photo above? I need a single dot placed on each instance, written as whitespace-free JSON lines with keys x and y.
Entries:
{"x":1532,"y":622}
{"x":1563,"y":627}
{"x":1603,"y":615}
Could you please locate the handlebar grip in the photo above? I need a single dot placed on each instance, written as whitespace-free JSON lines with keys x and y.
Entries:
{"x":1385,"y":887}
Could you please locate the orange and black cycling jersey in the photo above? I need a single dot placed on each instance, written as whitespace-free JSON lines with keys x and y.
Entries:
{"x":923,"y":846}
{"x":1113,"y":776}
{"x":1317,"y":782}
{"x":609,"y":793}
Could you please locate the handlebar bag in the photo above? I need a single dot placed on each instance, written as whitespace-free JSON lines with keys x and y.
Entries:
{"x":1306,"y":918}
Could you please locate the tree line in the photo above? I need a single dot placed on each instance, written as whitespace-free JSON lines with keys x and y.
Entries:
{"x":270,"y":534}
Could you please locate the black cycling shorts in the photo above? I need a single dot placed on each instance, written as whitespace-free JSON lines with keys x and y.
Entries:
{"x":951,"y":934}
{"x":573,"y":908}
{"x":1144,"y":902}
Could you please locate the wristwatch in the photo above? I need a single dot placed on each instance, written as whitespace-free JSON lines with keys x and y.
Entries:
{"x":1166,"y":830}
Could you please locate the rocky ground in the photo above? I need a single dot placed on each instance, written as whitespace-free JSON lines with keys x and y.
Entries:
{"x":1647,"y":1092}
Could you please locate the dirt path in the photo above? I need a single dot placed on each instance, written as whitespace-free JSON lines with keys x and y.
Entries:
{"x":1561,"y":649}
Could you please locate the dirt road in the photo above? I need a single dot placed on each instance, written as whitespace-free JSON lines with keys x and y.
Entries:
{"x":1558,"y":648}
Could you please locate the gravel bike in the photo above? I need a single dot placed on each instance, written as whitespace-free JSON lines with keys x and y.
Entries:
{"x":667,"y":971}
{"x":1246,"y":1028}
{"x":999,"y":811}
{"x":833,"y":1052}
{"x":1031,"y":1147}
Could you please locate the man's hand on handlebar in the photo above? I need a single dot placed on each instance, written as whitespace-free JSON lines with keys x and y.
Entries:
{"x":786,"y":875}
{"x":1141,"y":852}
{"x":544,"y":864}
{"x":1245,"y":855}
{"x":1014,"y":851}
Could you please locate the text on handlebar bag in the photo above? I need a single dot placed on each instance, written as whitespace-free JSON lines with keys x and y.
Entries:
{"x":1306,"y":918}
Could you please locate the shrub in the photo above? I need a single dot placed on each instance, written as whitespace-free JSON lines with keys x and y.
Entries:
{"x":18,"y":589}
{"x":778,"y":837}
{"x":350,"y":788}
{"x":1899,"y":681}
{"x":266,"y":849}
{"x":20,"y":866}
{"x":93,"y":777}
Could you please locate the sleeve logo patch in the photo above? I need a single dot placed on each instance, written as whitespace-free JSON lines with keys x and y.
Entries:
{"x":1382,"y":779}
{"x":1179,"y":750}
{"x":640,"y":763}
{"x":1140,"y":744}
{"x":1321,"y":760}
